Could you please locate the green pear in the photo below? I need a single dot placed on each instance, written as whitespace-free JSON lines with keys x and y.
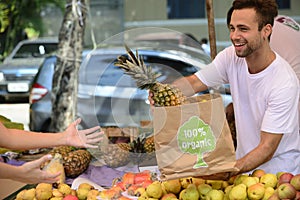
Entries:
{"x":215,"y":195}
{"x":238,"y":192}
{"x":239,"y":178}
{"x":203,"y":189}
{"x":190,"y":193}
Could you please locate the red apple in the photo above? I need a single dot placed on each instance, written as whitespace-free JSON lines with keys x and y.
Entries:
{"x":297,"y":195}
{"x":285,"y":178}
{"x":295,"y":181}
{"x":70,"y":197}
{"x":286,"y":191}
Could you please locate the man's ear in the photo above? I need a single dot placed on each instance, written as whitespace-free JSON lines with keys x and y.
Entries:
{"x":267,"y":30}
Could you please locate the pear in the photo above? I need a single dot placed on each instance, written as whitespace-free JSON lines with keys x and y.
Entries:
{"x":269,"y":191}
{"x":20,"y":194}
{"x":169,"y":196}
{"x":29,"y":194}
{"x":197,"y":181}
{"x":64,"y":188}
{"x":43,"y":194}
{"x":82,"y":193}
{"x":239,"y":178}
{"x":269,"y":179}
{"x":154,"y":190}
{"x":92,"y":194}
{"x":256,"y":191}
{"x":203,"y":189}
{"x":215,"y":184}
{"x":190,"y":193}
{"x":85,"y":186}
{"x":56,"y":193}
{"x":250,"y":180}
{"x":238,"y":192}
{"x":215,"y":195}
{"x":172,"y":186}
{"x":185,"y":181}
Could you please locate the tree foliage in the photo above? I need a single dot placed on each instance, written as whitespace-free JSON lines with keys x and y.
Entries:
{"x":17,"y":15}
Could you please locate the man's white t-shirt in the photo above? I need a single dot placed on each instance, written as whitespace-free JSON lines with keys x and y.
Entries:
{"x":265,"y":101}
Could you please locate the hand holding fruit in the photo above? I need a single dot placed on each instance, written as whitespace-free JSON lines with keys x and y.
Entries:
{"x":31,"y":172}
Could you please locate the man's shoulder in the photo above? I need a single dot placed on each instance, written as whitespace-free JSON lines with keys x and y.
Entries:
{"x":287,"y":22}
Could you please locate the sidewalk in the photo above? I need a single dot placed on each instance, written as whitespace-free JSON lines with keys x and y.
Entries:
{"x":16,"y":112}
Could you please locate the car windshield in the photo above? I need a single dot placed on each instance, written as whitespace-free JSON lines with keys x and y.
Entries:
{"x":35,"y":50}
{"x":103,"y":66}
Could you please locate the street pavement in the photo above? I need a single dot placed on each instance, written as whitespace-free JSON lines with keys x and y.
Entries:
{"x":17,"y":112}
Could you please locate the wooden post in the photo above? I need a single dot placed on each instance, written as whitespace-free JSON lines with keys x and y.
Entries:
{"x":211,"y":28}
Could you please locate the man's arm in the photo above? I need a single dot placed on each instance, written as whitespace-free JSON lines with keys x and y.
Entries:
{"x":190,"y":85}
{"x":261,"y":154}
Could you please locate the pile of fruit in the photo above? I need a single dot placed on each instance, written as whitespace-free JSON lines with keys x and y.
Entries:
{"x":46,"y":191}
{"x":255,"y":186}
{"x":145,"y":186}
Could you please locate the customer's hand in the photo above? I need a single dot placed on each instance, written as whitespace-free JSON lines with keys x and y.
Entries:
{"x":87,"y":138}
{"x":31,"y":173}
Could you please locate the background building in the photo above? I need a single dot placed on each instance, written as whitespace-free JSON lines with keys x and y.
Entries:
{"x":110,"y":17}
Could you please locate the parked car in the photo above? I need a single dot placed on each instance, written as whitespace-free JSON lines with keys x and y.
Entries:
{"x":106,"y":96}
{"x":20,"y":67}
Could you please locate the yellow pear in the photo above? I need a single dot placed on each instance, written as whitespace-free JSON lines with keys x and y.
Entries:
{"x":250,"y":180}
{"x":172,"y":186}
{"x":238,"y":192}
{"x":154,"y":190}
{"x":64,"y":188}
{"x":215,"y":184}
{"x":269,"y":179}
{"x":82,"y":193}
{"x":256,"y":191}
{"x":29,"y":194}
{"x":239,"y":178}
{"x":269,"y":191}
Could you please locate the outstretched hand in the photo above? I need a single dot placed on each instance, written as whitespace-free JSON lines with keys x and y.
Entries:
{"x":87,"y":138}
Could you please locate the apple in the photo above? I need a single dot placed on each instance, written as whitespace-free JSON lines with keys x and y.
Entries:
{"x":285,"y":178}
{"x":295,"y":181}
{"x":70,"y":197}
{"x":258,"y":173}
{"x":269,"y":179}
{"x":286,"y":191}
{"x":256,"y":191}
{"x":297,"y":197}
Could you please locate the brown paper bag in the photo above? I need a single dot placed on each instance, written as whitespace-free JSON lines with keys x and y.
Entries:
{"x":193,"y":139}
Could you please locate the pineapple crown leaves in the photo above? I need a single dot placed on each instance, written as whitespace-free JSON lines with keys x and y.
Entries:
{"x":135,"y":67}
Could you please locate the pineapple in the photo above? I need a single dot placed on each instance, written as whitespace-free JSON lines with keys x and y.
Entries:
{"x":163,"y":94}
{"x":75,"y":161}
{"x":149,"y":145}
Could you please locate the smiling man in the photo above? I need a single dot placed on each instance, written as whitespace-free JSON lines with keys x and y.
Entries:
{"x":264,"y":88}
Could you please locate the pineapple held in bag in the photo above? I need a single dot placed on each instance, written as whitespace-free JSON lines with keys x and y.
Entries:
{"x":163,"y":94}
{"x":56,"y":165}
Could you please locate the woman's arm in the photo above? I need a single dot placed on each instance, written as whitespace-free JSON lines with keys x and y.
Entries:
{"x":23,"y":140}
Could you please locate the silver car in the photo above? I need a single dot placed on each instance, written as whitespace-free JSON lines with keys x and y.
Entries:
{"x":106,"y":96}
{"x":20,"y":67}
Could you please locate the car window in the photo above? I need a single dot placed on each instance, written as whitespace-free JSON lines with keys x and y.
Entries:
{"x":35,"y":50}
{"x":100,"y":70}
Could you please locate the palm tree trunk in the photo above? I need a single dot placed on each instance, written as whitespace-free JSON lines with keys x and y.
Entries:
{"x":65,"y":80}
